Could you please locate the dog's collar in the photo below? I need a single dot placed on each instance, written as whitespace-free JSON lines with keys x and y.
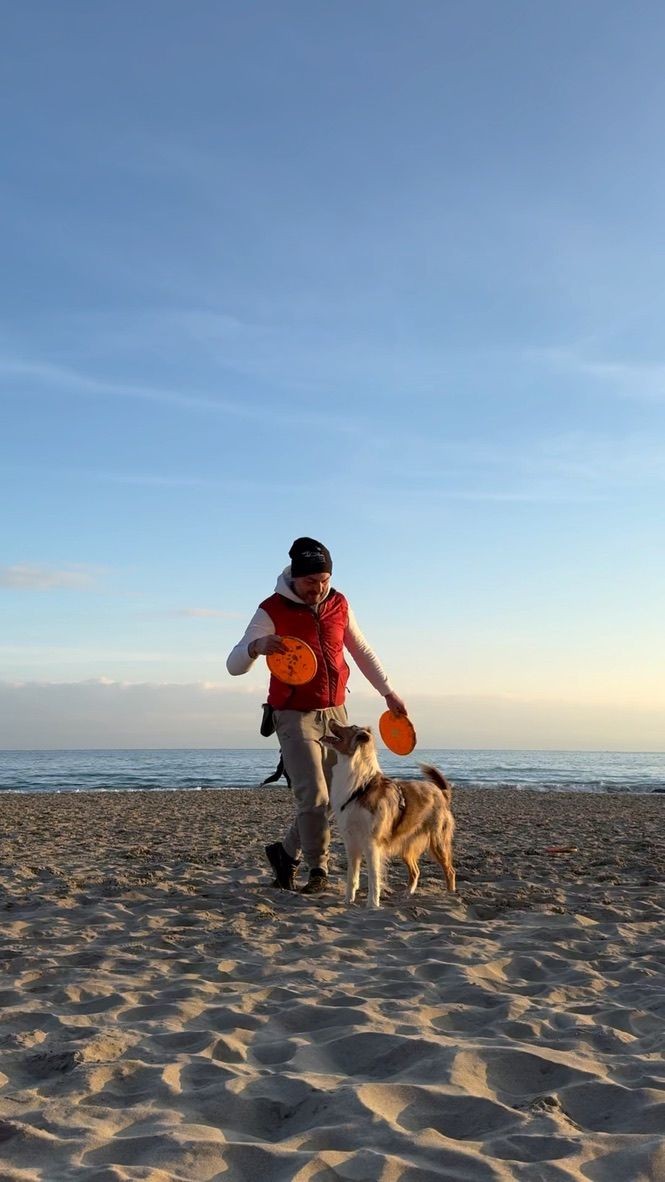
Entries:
{"x":357,"y":794}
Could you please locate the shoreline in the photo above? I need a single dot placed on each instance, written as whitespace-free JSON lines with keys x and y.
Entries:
{"x":167,"y":1016}
{"x":573,"y":793}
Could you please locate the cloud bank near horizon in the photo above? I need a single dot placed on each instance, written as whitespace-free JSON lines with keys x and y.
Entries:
{"x":105,"y":713}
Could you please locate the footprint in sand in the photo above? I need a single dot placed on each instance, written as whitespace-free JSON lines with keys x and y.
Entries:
{"x":374,"y":1055}
{"x":530,"y":1147}
{"x":275,"y":1052}
{"x":608,"y":1108}
{"x":511,"y":1075}
{"x":416,"y":1107}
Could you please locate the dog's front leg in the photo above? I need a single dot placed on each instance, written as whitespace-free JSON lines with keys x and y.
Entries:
{"x":353,"y":857}
{"x":373,"y":859}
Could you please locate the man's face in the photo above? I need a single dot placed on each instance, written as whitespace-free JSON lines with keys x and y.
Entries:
{"x":312,"y":589}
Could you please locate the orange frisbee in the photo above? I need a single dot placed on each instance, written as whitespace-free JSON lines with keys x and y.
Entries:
{"x":297,"y":665}
{"x":397,"y":733}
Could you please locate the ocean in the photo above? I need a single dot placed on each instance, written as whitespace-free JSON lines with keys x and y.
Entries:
{"x":225,"y":768}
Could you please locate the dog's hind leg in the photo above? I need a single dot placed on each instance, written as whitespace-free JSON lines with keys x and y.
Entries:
{"x":373,"y":859}
{"x":414,"y":872}
{"x":353,"y":859}
{"x":441,"y":846}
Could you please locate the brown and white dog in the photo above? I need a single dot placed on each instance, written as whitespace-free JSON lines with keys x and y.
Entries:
{"x":381,"y":818}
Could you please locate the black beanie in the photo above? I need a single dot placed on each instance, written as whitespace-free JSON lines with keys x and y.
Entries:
{"x":309,"y":557}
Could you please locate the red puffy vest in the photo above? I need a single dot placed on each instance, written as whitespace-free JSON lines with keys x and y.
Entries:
{"x":324,"y":632}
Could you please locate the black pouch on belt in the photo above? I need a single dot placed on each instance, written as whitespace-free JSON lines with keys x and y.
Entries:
{"x":267,"y":721}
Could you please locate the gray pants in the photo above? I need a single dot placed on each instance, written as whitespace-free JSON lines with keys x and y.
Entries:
{"x":309,"y":765}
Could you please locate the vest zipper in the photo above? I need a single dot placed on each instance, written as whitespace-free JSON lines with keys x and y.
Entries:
{"x":323,"y":654}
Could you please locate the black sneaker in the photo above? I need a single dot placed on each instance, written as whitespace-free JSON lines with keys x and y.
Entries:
{"x":284,"y":866}
{"x":318,"y":881}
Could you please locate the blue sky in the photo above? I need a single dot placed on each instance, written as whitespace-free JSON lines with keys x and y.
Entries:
{"x":390,"y":275}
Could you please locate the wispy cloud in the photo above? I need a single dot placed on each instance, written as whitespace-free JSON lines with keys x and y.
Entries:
{"x":564,"y":468}
{"x":580,"y":458}
{"x":72,"y":381}
{"x":619,"y":378}
{"x":148,"y":479}
{"x":76,"y":382}
{"x":28,"y":577}
{"x":193,"y":613}
{"x":230,"y":485}
{"x":206,"y":612}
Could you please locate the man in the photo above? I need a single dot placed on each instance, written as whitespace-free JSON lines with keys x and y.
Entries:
{"x":305,"y":605}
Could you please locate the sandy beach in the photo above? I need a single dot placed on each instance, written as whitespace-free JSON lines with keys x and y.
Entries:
{"x":165,"y":1014}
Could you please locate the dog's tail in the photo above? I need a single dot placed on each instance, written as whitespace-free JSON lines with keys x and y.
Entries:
{"x":433,"y":774}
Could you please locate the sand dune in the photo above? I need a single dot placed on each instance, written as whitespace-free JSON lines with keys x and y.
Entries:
{"x":166,"y":1015}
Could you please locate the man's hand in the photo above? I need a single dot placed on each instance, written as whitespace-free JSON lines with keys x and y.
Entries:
{"x":266,"y":645}
{"x":396,"y":705}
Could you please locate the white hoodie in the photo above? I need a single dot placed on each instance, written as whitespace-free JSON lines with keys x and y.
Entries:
{"x":239,"y":660}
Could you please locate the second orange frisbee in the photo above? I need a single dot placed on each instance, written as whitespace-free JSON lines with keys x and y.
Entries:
{"x":397,"y":733}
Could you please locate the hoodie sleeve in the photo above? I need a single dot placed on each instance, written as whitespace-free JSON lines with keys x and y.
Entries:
{"x":239,"y":660}
{"x":365,"y":658}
